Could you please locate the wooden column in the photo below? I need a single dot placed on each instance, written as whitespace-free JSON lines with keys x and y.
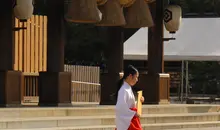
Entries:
{"x":155,"y":83}
{"x":155,"y":42}
{"x":110,"y":79}
{"x":55,"y":84}
{"x":10,"y":81}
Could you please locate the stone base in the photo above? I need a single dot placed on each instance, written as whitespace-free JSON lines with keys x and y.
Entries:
{"x":54,"y":89}
{"x":55,"y":104}
{"x":164,"y":102}
{"x":10,"y":88}
{"x":155,"y":88}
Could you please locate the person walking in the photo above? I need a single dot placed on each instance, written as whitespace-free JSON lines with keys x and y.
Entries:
{"x":127,"y":117}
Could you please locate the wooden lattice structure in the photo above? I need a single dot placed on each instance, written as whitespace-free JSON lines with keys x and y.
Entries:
{"x":30,"y":52}
{"x":30,"y":45}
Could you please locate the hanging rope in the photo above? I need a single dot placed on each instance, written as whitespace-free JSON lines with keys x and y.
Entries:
{"x":150,"y":1}
{"x":101,"y":2}
{"x":126,"y":3}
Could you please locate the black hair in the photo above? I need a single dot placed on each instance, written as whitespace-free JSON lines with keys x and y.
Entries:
{"x":130,"y":70}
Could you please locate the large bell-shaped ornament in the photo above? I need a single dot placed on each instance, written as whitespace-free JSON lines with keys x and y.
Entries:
{"x":138,"y":15}
{"x":112,"y":14}
{"x":83,"y":11}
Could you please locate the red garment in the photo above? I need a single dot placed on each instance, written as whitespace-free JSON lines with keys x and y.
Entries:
{"x":135,"y":122}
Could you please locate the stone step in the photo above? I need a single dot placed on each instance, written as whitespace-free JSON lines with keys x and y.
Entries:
{"x":161,"y":126}
{"x":81,"y":110}
{"x":47,"y":122}
{"x":176,"y":118}
{"x":208,"y":128}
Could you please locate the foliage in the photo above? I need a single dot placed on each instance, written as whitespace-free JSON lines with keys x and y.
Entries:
{"x":201,"y":8}
{"x":204,"y":77}
{"x":85,"y":44}
{"x":40,"y":7}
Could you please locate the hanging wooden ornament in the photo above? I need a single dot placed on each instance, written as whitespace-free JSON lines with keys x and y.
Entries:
{"x":83,"y":11}
{"x":138,"y":15}
{"x":112,"y":14}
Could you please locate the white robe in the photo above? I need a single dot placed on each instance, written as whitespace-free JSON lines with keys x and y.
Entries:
{"x":125,"y":101}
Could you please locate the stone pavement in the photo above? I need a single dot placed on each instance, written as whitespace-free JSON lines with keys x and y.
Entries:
{"x":209,"y":128}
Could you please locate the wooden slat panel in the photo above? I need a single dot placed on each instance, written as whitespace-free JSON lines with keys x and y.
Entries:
{"x":28,"y":46}
{"x":41,"y":44}
{"x":16,"y":46}
{"x":45,"y":44}
{"x":36,"y":37}
{"x":32,"y":42}
{"x":25,"y":48}
{"x":20,"y":50}
{"x":30,"y":51}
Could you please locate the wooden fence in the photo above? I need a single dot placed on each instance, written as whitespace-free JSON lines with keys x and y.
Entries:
{"x":85,"y":83}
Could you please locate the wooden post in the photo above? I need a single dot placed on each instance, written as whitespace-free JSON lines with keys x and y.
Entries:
{"x":155,"y":42}
{"x":114,"y":64}
{"x":155,"y":84}
{"x":10,"y":81}
{"x":55,"y":84}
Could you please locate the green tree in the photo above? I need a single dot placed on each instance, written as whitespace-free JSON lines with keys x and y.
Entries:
{"x":200,"y":7}
{"x":85,"y":43}
{"x":204,"y":77}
